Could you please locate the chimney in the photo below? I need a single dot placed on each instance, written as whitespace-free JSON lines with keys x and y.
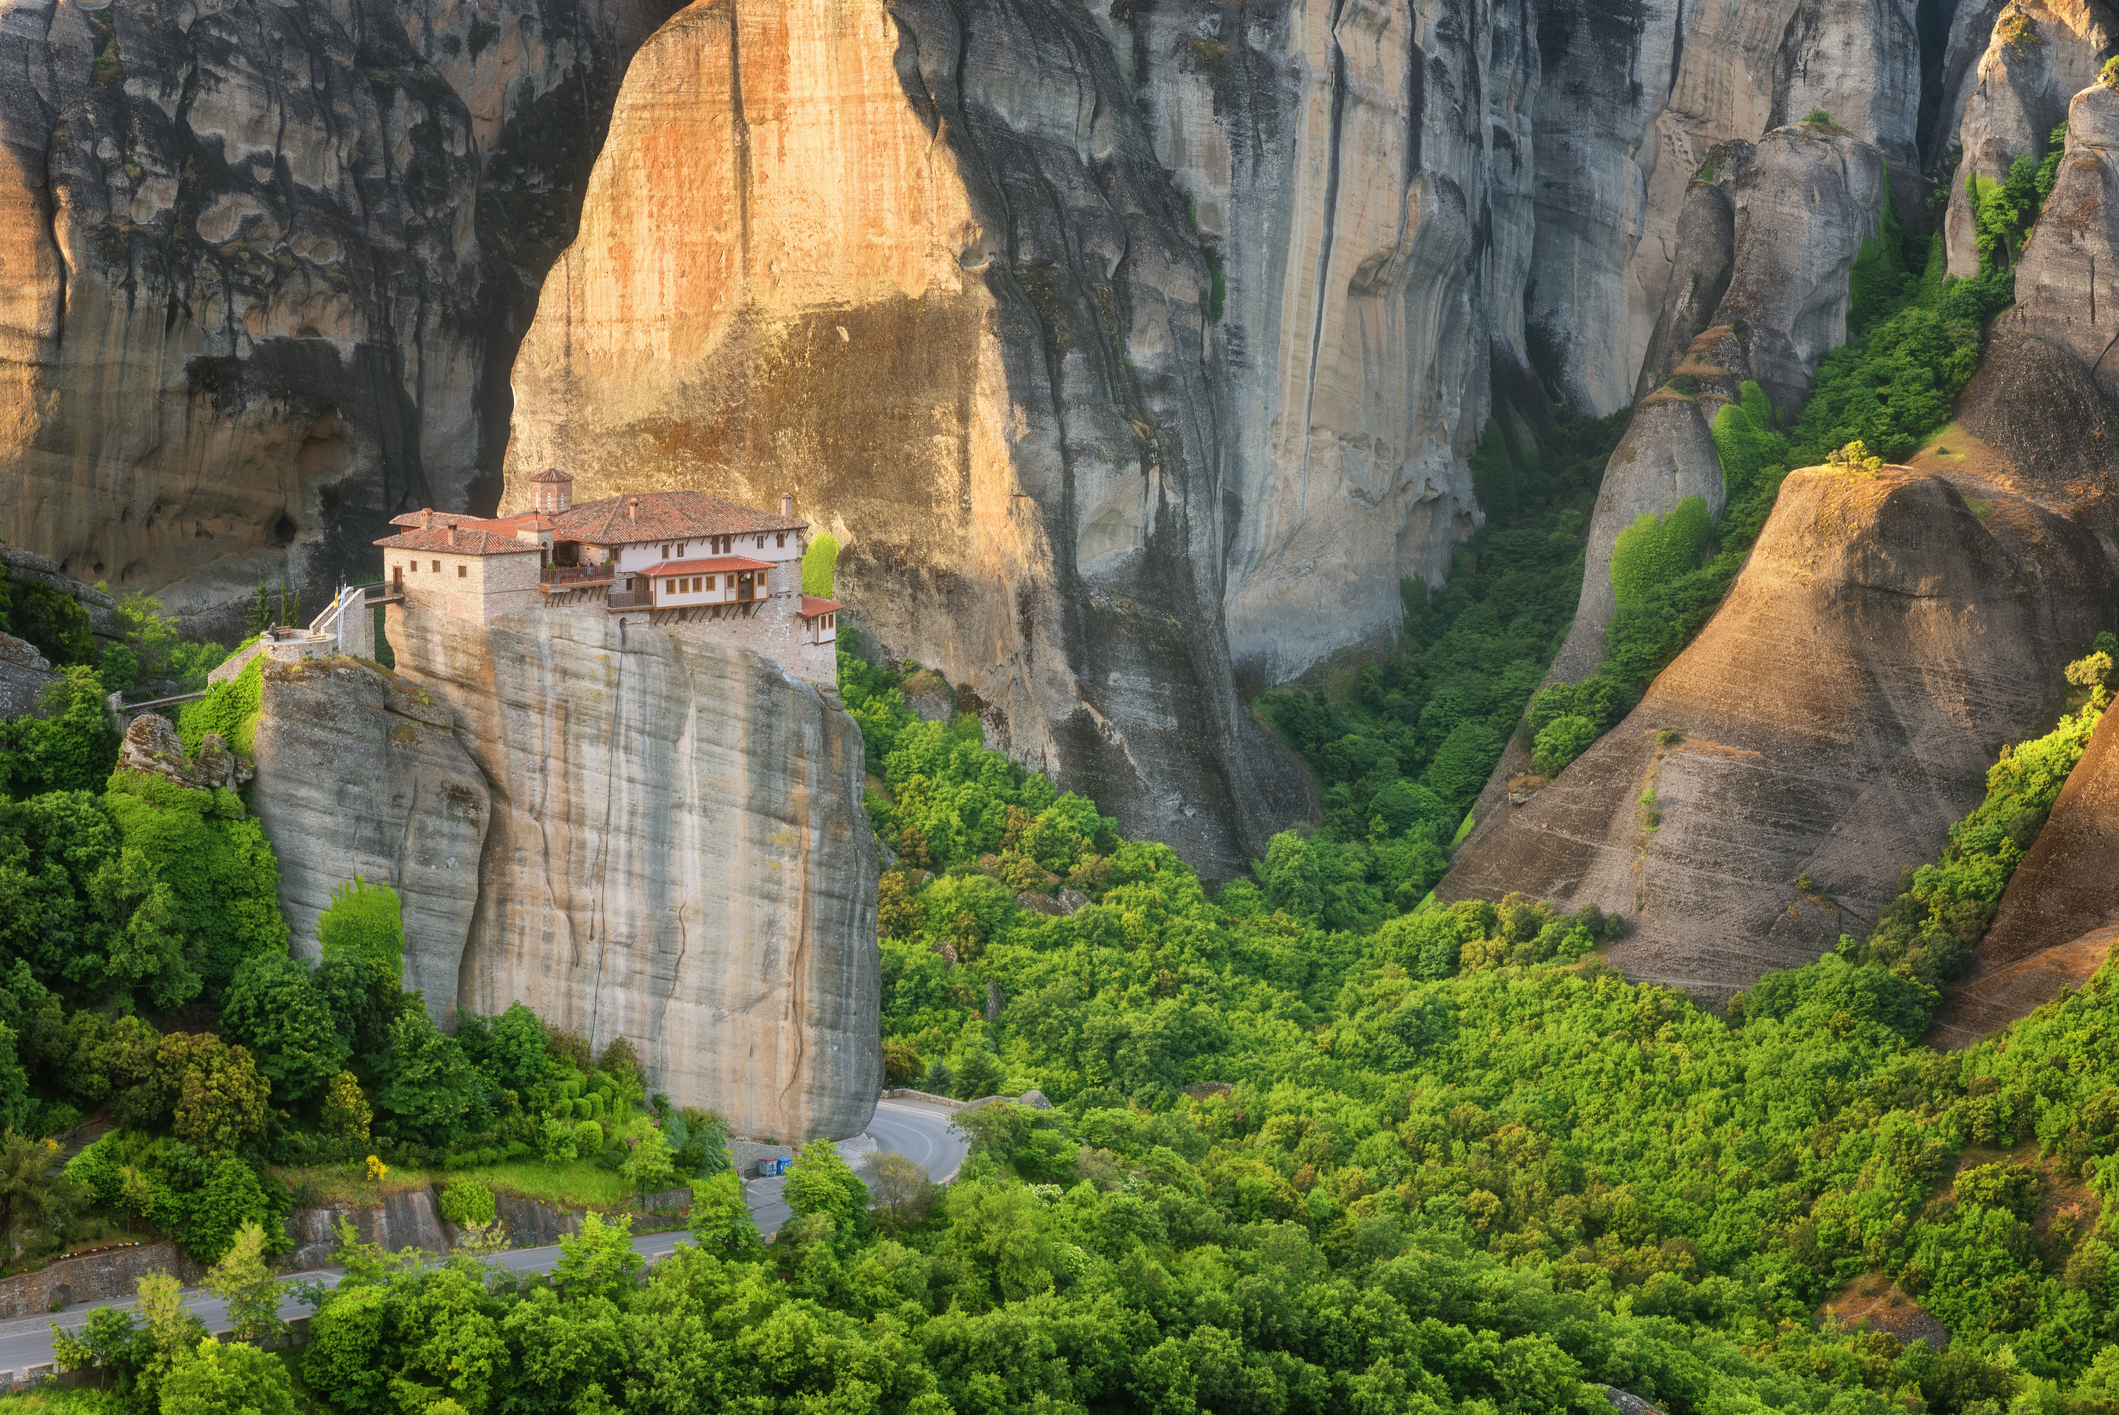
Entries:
{"x":426,"y":517}
{"x":632,"y":507}
{"x":787,"y":504}
{"x":452,"y":533}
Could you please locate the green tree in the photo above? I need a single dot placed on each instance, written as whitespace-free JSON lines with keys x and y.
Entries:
{"x":215,"y":1095}
{"x":233,"y":1379}
{"x":426,"y":1086}
{"x":512,"y":1050}
{"x":201,"y":881}
{"x":230,"y":1200}
{"x":259,"y":616}
{"x":56,"y":624}
{"x":649,"y":1167}
{"x":274,"y":1008}
{"x":600,"y":1260}
{"x":346,"y":1114}
{"x":72,"y":748}
{"x":345,"y":1359}
{"x":1561,"y":741}
{"x":364,"y":921}
{"x":242,"y":1281}
{"x":820,"y":1182}
{"x":36,"y":1198}
{"x":820,"y":564}
{"x":721,"y":1222}
{"x":902,"y":1189}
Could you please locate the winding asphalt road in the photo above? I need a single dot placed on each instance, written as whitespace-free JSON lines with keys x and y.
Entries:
{"x":912,"y":1128}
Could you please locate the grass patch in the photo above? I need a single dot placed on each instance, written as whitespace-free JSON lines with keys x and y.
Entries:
{"x":577,"y":1185}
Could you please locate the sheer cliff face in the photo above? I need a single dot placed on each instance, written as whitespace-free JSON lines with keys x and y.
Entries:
{"x":2039,"y":55}
{"x":635,"y":833}
{"x":248,"y":313}
{"x":917,"y":265}
{"x":1362,"y":179}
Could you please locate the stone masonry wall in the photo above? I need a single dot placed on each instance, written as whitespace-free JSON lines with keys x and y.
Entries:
{"x":488,"y":587}
{"x":92,"y":1278}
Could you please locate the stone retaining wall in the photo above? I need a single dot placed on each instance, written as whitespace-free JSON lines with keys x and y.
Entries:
{"x":93,"y":1277}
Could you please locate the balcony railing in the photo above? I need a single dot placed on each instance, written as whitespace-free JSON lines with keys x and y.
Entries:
{"x":629,"y":599}
{"x":575,"y":574}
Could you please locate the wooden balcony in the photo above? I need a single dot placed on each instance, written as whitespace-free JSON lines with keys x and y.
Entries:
{"x":629,"y":599}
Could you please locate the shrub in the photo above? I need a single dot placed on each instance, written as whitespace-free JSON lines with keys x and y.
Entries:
{"x":1561,"y":742}
{"x":467,"y":1202}
{"x":71,"y":749}
{"x":365,"y":922}
{"x":1819,"y":118}
{"x":1655,"y":551}
{"x":588,"y":1138}
{"x":820,"y":565}
{"x":229,"y":710}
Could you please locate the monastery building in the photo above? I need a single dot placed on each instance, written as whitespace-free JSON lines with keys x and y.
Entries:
{"x":721,"y":571}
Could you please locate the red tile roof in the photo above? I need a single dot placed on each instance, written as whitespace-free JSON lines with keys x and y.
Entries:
{"x":715,"y":566}
{"x":469,"y":541}
{"x":813,"y":606}
{"x":665,"y":515}
{"x":504,"y":525}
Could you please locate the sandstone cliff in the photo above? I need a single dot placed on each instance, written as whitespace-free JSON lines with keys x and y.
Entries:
{"x":1833,"y":720}
{"x":2060,"y":913}
{"x":634,"y":832}
{"x":258,"y":282}
{"x":1771,"y":238}
{"x":360,"y":773}
{"x":917,"y":264}
{"x":2039,"y":55}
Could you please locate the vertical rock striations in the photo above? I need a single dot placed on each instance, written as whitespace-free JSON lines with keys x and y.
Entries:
{"x":917,"y":263}
{"x":247,"y":312}
{"x":2038,"y":55}
{"x":1362,"y":179}
{"x":677,"y":854}
{"x":360,"y":773}
{"x":633,"y":831}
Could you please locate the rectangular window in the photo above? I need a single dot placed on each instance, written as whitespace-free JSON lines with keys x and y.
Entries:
{"x":437,"y":567}
{"x":415,"y":567}
{"x":680,"y":550}
{"x":463,"y":572}
{"x":665,"y":552}
{"x":669,"y":587}
{"x":781,"y":540}
{"x":761,"y":542}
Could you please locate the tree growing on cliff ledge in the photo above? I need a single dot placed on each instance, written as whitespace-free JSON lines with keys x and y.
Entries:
{"x":364,"y":921}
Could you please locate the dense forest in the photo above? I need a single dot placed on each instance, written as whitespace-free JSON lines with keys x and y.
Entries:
{"x":1447,"y":1163}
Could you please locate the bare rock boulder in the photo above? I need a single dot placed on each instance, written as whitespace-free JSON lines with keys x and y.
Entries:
{"x":1832,"y":721}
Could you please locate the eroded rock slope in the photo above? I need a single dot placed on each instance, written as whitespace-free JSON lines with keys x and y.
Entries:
{"x":1831,"y":722}
{"x":2060,"y":914}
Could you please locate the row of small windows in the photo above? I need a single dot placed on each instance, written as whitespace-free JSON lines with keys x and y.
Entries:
{"x":717,"y":545}
{"x":462,"y":572}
